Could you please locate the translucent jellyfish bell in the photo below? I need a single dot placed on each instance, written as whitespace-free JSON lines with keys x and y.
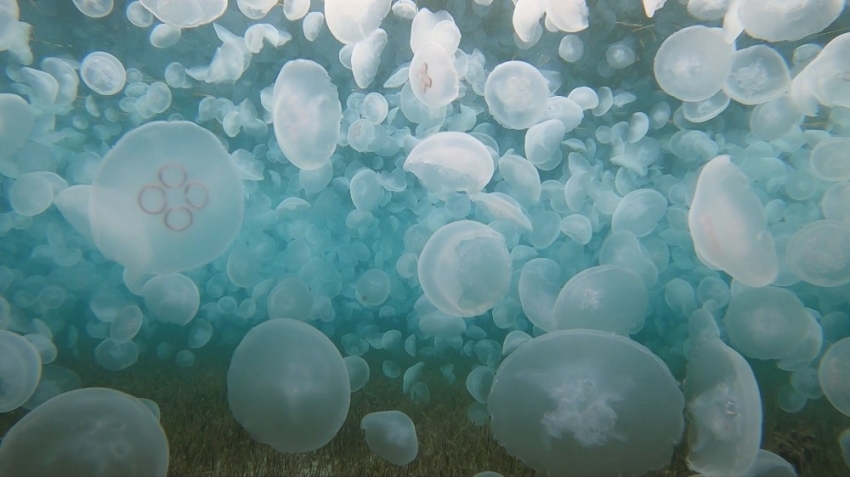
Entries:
{"x":288,"y":386}
{"x":433,"y":77}
{"x":167,"y":198}
{"x":103,"y":73}
{"x":766,"y":323}
{"x":307,"y":113}
{"x":391,"y":435}
{"x":787,"y":21}
{"x":186,"y":13}
{"x":729,"y":227}
{"x":819,"y":253}
{"x":95,"y":8}
{"x":353,"y":20}
{"x":172,"y":297}
{"x":451,"y":162}
{"x":255,"y":9}
{"x":586,"y":402}
{"x":725,"y":408}
{"x":692,"y":64}
{"x":92,"y":431}
{"x":17,"y":119}
{"x":606,"y":298}
{"x":20,"y":370}
{"x":567,"y":15}
{"x":830,"y":160}
{"x":516,"y":94}
{"x":758,"y":74}
{"x":465,"y":268}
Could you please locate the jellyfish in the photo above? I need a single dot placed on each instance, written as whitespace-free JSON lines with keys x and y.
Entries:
{"x":17,"y":119}
{"x":306,"y":113}
{"x":502,"y":206}
{"x":830,"y":160}
{"x":465,"y":268}
{"x":186,"y":13}
{"x":586,"y":402}
{"x":391,"y":435}
{"x":172,"y":298}
{"x":819,"y":253}
{"x":372,"y":288}
{"x":103,"y":73}
{"x":166,"y":198}
{"x":693,"y":63}
{"x":358,"y":372}
{"x":787,"y":21}
{"x":95,"y":8}
{"x":758,"y":74}
{"x":433,"y":77}
{"x":20,"y":371}
{"x":639,"y":211}
{"x":255,"y":9}
{"x":567,"y":15}
{"x":288,"y":386}
{"x":366,"y":57}
{"x":351,"y":21}
{"x":451,"y":162}
{"x":516,"y":94}
{"x":766,"y":323}
{"x":91,"y":431}
{"x":729,"y":227}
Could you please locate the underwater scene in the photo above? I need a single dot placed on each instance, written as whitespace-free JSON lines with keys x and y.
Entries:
{"x":477,"y":238}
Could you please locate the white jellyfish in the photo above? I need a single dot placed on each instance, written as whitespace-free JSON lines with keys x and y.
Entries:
{"x":186,"y":13}
{"x":758,"y":74}
{"x":372,"y":288}
{"x":693,"y":63}
{"x":167,"y":198}
{"x":819,"y":253}
{"x":830,"y":160}
{"x":451,"y":162}
{"x":255,"y":9}
{"x":306,"y":113}
{"x":766,"y":323}
{"x":465,"y":268}
{"x":516,"y":94}
{"x":639,"y":212}
{"x":288,"y":386}
{"x":787,"y":21}
{"x":20,"y":371}
{"x":586,"y":402}
{"x":173,"y":298}
{"x":91,"y":431}
{"x":103,"y":73}
{"x":729,"y":227}
{"x":391,"y":435}
{"x":366,"y":57}
{"x":432,"y":76}
{"x":17,"y":119}
{"x":351,"y":21}
{"x":567,"y":15}
{"x":358,"y":372}
{"x":95,"y":8}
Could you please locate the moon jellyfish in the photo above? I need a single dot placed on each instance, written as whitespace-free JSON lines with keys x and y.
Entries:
{"x":288,"y":386}
{"x":449,"y":162}
{"x":758,"y":74}
{"x":639,"y":212}
{"x":167,"y":198}
{"x":433,"y":77}
{"x":103,"y":73}
{"x":834,"y":375}
{"x":306,"y":113}
{"x":353,"y":20}
{"x":186,"y":13}
{"x":20,"y":371}
{"x":516,"y":94}
{"x":465,"y":268}
{"x":17,"y":119}
{"x":372,"y":288}
{"x":32,"y":193}
{"x":819,"y":253}
{"x":255,"y":9}
{"x":692,"y":64}
{"x":92,"y":431}
{"x":586,"y":402}
{"x":358,"y":372}
{"x":172,"y":298}
{"x":830,"y":160}
{"x":787,"y":21}
{"x":766,"y":323}
{"x":95,"y":8}
{"x":606,"y":298}
{"x":391,"y":435}
{"x":729,"y":227}
{"x":567,"y":15}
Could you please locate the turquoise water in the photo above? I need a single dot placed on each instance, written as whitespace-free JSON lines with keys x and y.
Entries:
{"x":595,"y":216}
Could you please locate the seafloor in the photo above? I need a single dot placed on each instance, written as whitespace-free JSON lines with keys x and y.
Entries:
{"x":205,"y":439}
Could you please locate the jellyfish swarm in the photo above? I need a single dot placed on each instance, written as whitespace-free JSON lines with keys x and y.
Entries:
{"x":92,"y":431}
{"x":166,"y":199}
{"x":306,"y":114}
{"x":586,"y":402}
{"x":288,"y":386}
{"x":729,"y":227}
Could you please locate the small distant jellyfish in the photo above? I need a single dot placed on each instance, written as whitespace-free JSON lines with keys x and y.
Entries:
{"x":167,"y":198}
{"x":516,"y":94}
{"x":103,"y":73}
{"x":373,"y":288}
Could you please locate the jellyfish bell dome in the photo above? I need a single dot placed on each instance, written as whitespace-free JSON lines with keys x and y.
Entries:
{"x":91,"y":431}
{"x":351,"y":21}
{"x":465,"y":268}
{"x":516,"y":94}
{"x":288,"y":386}
{"x":186,"y":13}
{"x":450,"y":161}
{"x":306,"y":113}
{"x":20,"y":370}
{"x":586,"y":402}
{"x":166,"y":198}
{"x":693,"y":63}
{"x":787,"y":21}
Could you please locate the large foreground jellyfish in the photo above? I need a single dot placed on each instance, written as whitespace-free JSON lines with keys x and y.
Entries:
{"x":91,"y":432}
{"x":288,"y":386}
{"x":585,"y":402}
{"x":167,"y":198}
{"x":465,"y":268}
{"x":306,"y":113}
